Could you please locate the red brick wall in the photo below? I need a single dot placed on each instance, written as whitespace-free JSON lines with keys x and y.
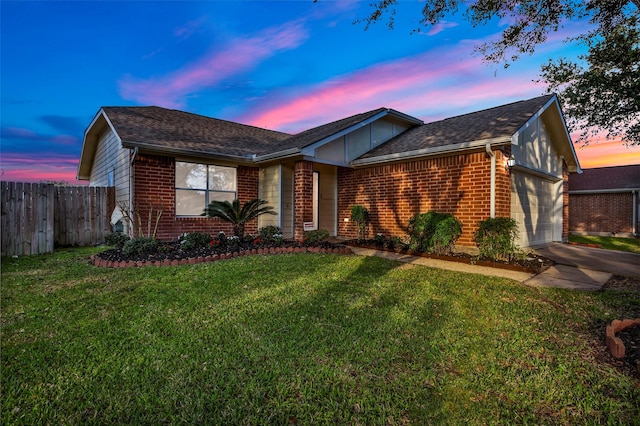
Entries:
{"x":565,"y":203}
{"x":601,"y":212}
{"x":154,"y":178}
{"x":303,"y":197}
{"x":393,"y":193}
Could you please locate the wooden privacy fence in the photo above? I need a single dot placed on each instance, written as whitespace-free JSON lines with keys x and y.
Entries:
{"x":36,"y":217}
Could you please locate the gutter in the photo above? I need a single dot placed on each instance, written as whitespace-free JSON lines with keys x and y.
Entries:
{"x":447,"y":149}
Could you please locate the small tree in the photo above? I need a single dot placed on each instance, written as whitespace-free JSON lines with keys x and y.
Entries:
{"x":238,"y":215}
{"x":360,"y":215}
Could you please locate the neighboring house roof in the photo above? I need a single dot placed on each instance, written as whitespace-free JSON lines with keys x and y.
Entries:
{"x":488,"y":124}
{"x":172,"y":130}
{"x":603,"y":179}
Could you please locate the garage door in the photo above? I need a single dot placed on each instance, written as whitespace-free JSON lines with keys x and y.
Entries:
{"x":532,"y":206}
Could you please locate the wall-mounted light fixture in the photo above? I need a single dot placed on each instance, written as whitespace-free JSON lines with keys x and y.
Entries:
{"x":510,"y":162}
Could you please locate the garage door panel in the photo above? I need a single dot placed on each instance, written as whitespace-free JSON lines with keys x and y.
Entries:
{"x":532,"y":204}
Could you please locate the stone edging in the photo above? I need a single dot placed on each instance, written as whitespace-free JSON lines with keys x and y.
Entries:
{"x":96,"y":261}
{"x":615,"y":344}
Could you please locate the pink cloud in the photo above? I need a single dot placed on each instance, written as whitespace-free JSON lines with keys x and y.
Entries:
{"x":417,"y":85}
{"x":19,"y":168}
{"x":441,"y":26}
{"x":241,"y":55}
{"x":189,"y":28}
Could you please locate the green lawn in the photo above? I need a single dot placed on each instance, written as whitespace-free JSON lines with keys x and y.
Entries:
{"x":301,"y":339}
{"x":610,"y":243}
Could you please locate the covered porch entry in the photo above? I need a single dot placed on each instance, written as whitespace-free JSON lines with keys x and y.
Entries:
{"x":304,"y":196}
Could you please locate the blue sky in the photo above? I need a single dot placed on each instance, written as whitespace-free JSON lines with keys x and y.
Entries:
{"x":281,"y":65}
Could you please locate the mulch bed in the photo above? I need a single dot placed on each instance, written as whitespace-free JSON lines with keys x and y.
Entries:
{"x":174,"y":251}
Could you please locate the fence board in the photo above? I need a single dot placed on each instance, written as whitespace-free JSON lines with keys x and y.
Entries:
{"x":35,"y":217}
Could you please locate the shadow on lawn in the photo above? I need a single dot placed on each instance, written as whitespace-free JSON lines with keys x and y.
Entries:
{"x":370,"y":332}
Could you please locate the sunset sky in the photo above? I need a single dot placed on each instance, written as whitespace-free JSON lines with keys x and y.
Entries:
{"x":286,"y":66}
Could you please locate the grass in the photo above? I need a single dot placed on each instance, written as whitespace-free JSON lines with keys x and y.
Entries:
{"x":300,"y":339}
{"x":610,"y":243}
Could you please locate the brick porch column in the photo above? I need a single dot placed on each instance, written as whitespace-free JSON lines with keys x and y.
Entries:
{"x":302,"y":196}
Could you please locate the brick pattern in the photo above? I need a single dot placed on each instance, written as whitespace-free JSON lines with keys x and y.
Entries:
{"x":565,"y":203}
{"x":393,"y":193}
{"x":154,"y":178}
{"x":303,"y":198}
{"x":601,"y":212}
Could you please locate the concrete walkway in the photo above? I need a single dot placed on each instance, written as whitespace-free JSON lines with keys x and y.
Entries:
{"x":443,"y":264}
{"x":575,"y":269}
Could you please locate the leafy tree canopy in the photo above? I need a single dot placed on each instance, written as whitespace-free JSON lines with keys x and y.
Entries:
{"x":600,"y":92}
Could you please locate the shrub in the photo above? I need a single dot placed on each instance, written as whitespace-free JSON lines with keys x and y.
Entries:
{"x":495,"y":238}
{"x":194,"y":240}
{"x":140,"y":245}
{"x":433,"y":231}
{"x":379,"y":240}
{"x":313,"y":237}
{"x":271,"y":234}
{"x":446,"y":233}
{"x":117,"y":240}
{"x":360,"y":215}
{"x":395,"y":243}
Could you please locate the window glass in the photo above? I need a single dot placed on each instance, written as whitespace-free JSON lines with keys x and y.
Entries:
{"x":190,"y":203}
{"x":222,"y":178}
{"x":199,"y":184}
{"x":191,"y":175}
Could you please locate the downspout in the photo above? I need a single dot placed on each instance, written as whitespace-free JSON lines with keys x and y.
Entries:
{"x":131,"y":182}
{"x":492,"y":154}
{"x":634,"y":222}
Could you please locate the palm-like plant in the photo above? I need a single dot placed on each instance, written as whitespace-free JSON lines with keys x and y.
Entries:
{"x":238,"y":215}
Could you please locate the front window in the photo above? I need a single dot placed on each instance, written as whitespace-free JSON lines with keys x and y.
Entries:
{"x":199,"y":184}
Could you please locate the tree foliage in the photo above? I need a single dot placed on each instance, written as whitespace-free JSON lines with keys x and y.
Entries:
{"x":601,"y":92}
{"x":236,"y":214}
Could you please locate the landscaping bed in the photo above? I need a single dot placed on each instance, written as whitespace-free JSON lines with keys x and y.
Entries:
{"x":175,"y":253}
{"x":529,"y":262}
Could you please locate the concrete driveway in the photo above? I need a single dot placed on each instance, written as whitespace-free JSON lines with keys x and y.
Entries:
{"x":584,"y":268}
{"x":613,"y":262}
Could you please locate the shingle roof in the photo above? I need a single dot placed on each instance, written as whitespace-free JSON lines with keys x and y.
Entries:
{"x":177,"y":130}
{"x":603,"y":178}
{"x":501,"y":121}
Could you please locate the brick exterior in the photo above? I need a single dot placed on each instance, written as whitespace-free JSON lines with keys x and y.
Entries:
{"x":393,"y":193}
{"x":565,"y":203}
{"x":154,"y":180}
{"x":601,"y":213}
{"x":303,"y":197}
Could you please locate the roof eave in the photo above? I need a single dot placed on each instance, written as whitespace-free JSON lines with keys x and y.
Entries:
{"x":90,"y":143}
{"x":428,"y":152}
{"x":151,"y":148}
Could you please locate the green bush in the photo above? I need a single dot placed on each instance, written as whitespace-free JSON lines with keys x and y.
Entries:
{"x":194,"y":240}
{"x":117,"y":240}
{"x":270,"y":234}
{"x":433,"y":232}
{"x":360,"y":215}
{"x":445,"y":235}
{"x":495,"y":238}
{"x":312,"y":237}
{"x":140,"y":245}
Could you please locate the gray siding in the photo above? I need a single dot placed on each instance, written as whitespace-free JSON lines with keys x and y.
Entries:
{"x":110,"y":156}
